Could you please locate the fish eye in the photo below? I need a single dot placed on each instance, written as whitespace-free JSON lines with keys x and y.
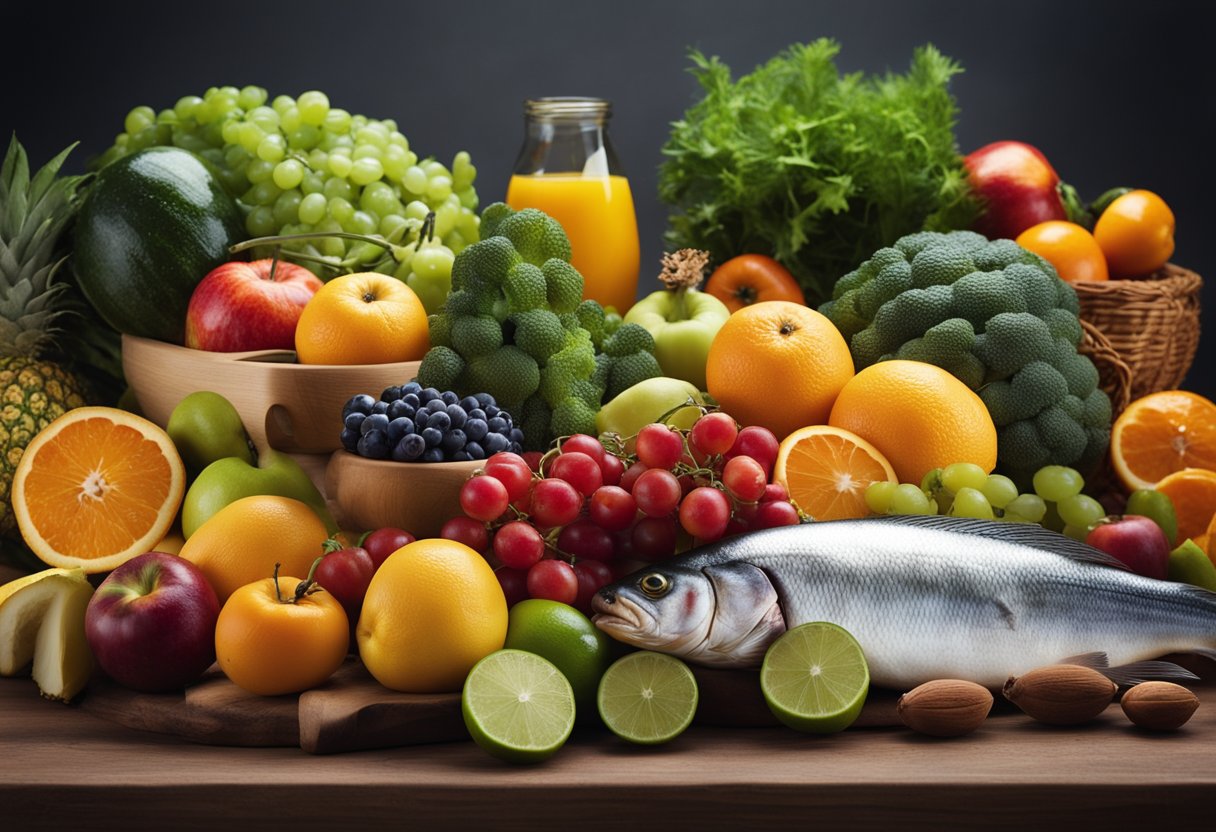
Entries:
{"x":655,"y":585}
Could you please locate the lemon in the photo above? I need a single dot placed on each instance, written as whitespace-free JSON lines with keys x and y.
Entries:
{"x":815,"y":678}
{"x":518,"y":706}
{"x":563,"y":635}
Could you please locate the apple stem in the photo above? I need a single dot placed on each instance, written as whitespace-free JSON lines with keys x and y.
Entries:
{"x":278,"y":594}
{"x":689,"y":402}
{"x":306,"y":586}
{"x":274,"y":262}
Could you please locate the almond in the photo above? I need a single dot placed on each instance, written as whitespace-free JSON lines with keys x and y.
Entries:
{"x":1061,"y":694}
{"x":945,"y":707}
{"x":1159,"y":706}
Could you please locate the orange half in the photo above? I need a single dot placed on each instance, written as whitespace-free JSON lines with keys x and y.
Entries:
{"x":1162,"y":433}
{"x":1193,"y":493}
{"x":97,"y":487}
{"x":827,"y":471}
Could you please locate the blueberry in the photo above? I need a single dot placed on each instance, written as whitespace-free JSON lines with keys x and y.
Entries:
{"x":379,"y":407}
{"x":390,"y":394}
{"x":398,"y":409}
{"x":475,"y":451}
{"x":350,"y":439}
{"x":495,"y":442}
{"x":457,"y":415}
{"x":453,"y":441}
{"x":436,"y":405}
{"x":432,"y":437}
{"x":377,"y":421}
{"x":412,"y":387}
{"x":410,"y":447}
{"x":353,"y":420}
{"x":517,"y":437}
{"x":428,"y":394}
{"x":469,"y":403}
{"x":439,"y":420}
{"x":421,"y":419}
{"x":478,"y":413}
{"x":412,"y":400}
{"x":373,"y":445}
{"x":497,"y":424}
{"x":449,"y":397}
{"x":461,"y":456}
{"x":398,"y":428}
{"x":433,"y":455}
{"x":491,"y":411}
{"x":506,"y":417}
{"x":476,"y":429}
{"x":515,"y":448}
{"x":361,"y":403}
{"x":484,"y":399}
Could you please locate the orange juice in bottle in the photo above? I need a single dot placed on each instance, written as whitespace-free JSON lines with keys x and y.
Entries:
{"x":568,"y":169}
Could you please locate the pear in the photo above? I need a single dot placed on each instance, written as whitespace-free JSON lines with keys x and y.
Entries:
{"x":42,"y":620}
{"x":647,"y":401}
{"x":206,"y":427}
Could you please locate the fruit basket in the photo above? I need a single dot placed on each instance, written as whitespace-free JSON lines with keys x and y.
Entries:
{"x":284,"y":405}
{"x":374,"y":493}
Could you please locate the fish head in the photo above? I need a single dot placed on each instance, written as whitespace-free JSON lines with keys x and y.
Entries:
{"x":725,"y":614}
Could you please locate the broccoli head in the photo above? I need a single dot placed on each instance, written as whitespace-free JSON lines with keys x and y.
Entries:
{"x":534,"y":234}
{"x":539,"y":333}
{"x":572,"y":415}
{"x":997,"y":317}
{"x":441,"y":367}
{"x":508,"y":374}
{"x":563,"y":285}
{"x":524,"y":288}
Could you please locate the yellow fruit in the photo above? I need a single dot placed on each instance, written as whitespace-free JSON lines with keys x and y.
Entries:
{"x":243,"y":541}
{"x":433,"y":610}
{"x":918,"y":416}
{"x":364,"y":318}
{"x":1161,"y":433}
{"x":97,"y":487}
{"x":42,"y":620}
{"x":1193,"y":493}
{"x":827,"y":470}
{"x":778,"y":349}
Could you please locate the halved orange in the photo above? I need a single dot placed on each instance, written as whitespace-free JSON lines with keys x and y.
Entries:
{"x":1193,"y":493}
{"x":1162,"y":433}
{"x":96,"y":487}
{"x":827,"y":471}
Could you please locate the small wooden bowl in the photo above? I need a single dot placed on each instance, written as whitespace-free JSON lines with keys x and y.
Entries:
{"x":284,"y":405}
{"x":416,"y":496}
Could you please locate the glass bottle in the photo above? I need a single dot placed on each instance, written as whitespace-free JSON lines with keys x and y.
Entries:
{"x":567,"y":168}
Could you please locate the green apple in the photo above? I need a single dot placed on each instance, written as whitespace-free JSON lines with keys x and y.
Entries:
{"x":205,"y":427}
{"x":227,"y":480}
{"x":683,"y":323}
{"x":646,"y":402}
{"x":1190,"y":565}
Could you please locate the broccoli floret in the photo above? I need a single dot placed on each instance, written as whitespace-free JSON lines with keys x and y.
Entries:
{"x":563,"y":285}
{"x":1035,"y":387}
{"x":892,"y":280}
{"x":912,"y":313}
{"x":460,"y":302}
{"x":440,"y":329}
{"x":524,"y":288}
{"x":1036,"y":287}
{"x":628,"y":370}
{"x":566,"y":366}
{"x":573,"y":415}
{"x":1080,"y":373}
{"x":612,"y":321}
{"x":1021,"y":441}
{"x":508,"y":374}
{"x":494,"y":214}
{"x":440,"y":368}
{"x":1064,"y":324}
{"x":539,"y":333}
{"x":475,"y":335}
{"x":534,"y":419}
{"x":627,"y":340}
{"x":491,"y":259}
{"x":997,"y":255}
{"x":591,"y":318}
{"x":1096,"y":410}
{"x":536,"y":236}
{"x":1061,"y":433}
{"x":940,"y":266}
{"x":981,"y":295}
{"x":1012,"y":340}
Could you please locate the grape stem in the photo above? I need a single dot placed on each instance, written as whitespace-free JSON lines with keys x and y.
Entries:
{"x":287,"y":238}
{"x":427,"y":230}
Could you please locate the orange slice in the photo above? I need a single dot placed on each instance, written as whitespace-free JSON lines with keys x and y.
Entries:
{"x":827,"y":470}
{"x":1193,"y":493}
{"x":1162,"y":433}
{"x":97,"y":487}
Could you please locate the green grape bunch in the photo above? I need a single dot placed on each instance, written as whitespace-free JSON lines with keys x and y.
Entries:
{"x":301,"y":167}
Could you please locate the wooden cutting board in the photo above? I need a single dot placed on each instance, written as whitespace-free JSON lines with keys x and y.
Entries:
{"x":353,"y":712}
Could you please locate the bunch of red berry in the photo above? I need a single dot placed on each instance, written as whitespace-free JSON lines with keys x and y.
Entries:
{"x":588,"y":514}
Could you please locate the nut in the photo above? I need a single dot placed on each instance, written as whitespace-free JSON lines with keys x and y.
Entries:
{"x":945,"y":707}
{"x":1159,"y":706}
{"x":1061,"y":694}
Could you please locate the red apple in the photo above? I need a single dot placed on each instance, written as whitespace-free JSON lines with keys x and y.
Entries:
{"x":249,"y":306}
{"x":1136,"y":541}
{"x":1018,"y":186}
{"x":151,"y":623}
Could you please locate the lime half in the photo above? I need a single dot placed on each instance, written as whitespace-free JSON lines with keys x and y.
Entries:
{"x":647,"y":698}
{"x":815,"y":678}
{"x":518,"y":706}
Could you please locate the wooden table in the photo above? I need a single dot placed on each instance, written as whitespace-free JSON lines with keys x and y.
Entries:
{"x":61,"y":768}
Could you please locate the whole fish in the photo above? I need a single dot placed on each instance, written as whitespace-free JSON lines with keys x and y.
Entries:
{"x":925,"y":597}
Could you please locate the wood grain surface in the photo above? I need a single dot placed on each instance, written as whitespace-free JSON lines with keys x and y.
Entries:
{"x":62,"y":768}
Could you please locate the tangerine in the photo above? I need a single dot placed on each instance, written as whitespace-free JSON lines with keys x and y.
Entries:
{"x":1161,"y":433}
{"x":363,"y":318}
{"x":827,"y":470}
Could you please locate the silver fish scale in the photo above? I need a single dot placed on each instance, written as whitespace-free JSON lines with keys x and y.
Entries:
{"x":929,"y":604}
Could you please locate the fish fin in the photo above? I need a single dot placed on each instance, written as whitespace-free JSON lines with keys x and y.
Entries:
{"x":1096,"y":660}
{"x":1126,"y":675}
{"x":1205,"y":652}
{"x":1025,"y":534}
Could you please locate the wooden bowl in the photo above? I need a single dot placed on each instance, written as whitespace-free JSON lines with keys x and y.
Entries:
{"x":286,"y":406}
{"x":416,"y":496}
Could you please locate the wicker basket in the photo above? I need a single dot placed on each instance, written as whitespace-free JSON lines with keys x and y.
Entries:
{"x":1151,"y":323}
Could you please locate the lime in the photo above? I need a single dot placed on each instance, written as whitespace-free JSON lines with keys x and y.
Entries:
{"x":648,"y":698}
{"x":815,"y":678}
{"x":517,"y":706}
{"x":564,"y":636}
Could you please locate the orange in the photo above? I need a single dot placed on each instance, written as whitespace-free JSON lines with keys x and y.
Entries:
{"x":1193,"y":493}
{"x":432,"y":611}
{"x":243,"y":541}
{"x":1162,"y":433}
{"x":827,"y":470}
{"x":364,"y":318}
{"x":96,"y":487}
{"x":271,"y":643}
{"x":779,"y":365}
{"x":918,"y":416}
{"x":1067,"y":246}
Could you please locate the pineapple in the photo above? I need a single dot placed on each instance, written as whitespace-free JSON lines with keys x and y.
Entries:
{"x":34,"y":387}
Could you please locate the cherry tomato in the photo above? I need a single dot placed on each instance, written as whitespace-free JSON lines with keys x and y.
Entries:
{"x":345,"y":573}
{"x":753,"y":278}
{"x":272,"y":639}
{"x":1136,"y":233}
{"x":1067,"y":246}
{"x":383,"y":542}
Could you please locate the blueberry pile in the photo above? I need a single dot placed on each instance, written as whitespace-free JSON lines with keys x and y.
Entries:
{"x":412,"y":423}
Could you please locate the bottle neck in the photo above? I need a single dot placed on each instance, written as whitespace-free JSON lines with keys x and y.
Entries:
{"x":567,"y":136}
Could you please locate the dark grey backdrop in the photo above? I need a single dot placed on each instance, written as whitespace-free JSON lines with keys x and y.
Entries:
{"x":1116,"y":92}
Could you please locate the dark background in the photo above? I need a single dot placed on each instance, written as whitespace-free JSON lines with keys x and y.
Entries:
{"x":1112,"y":92}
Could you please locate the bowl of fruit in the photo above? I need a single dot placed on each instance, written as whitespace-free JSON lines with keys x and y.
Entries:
{"x":406,"y":455}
